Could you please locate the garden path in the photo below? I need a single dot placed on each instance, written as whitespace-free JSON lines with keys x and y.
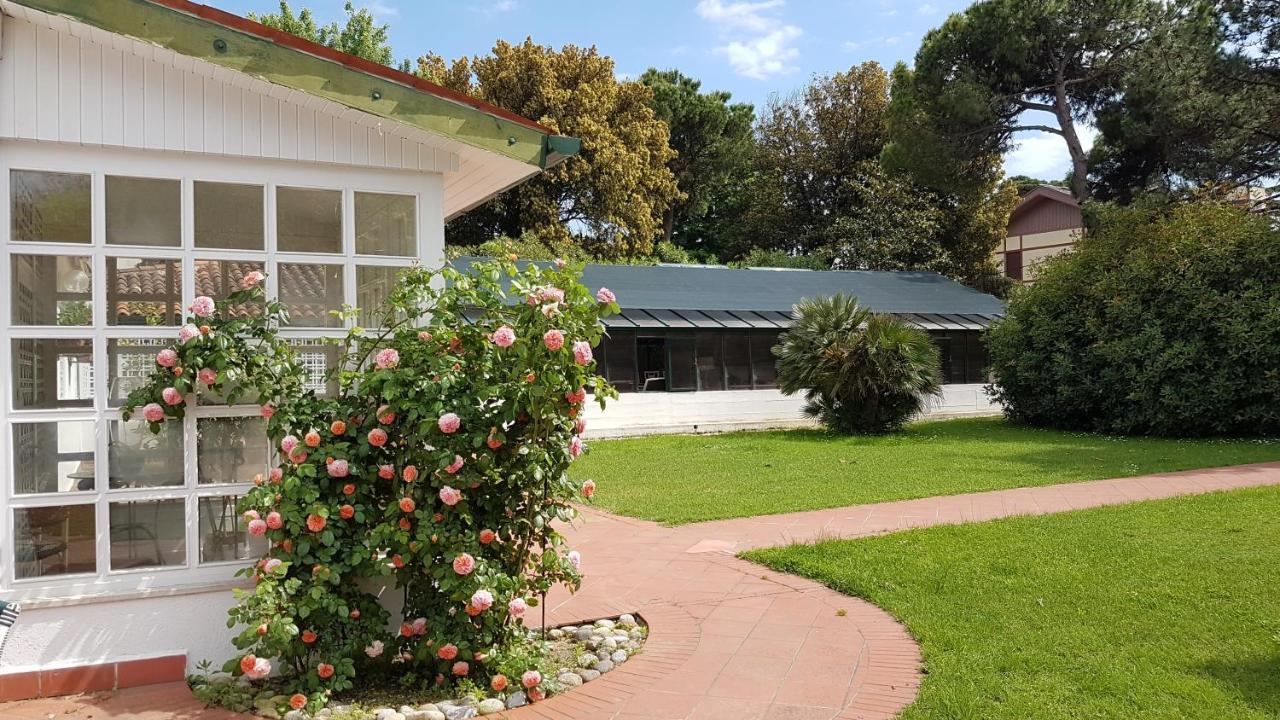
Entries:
{"x":730,"y":639}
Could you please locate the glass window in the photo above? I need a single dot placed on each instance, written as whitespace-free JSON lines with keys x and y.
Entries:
{"x":308,"y":220}
{"x":975,"y":358}
{"x":230,"y":450}
{"x":385,"y":224}
{"x":228,"y":216}
{"x":139,"y":458}
{"x":737,"y":361}
{"x":50,"y":207}
{"x":710,"y":362}
{"x":52,"y":541}
{"x":148,"y":533}
{"x":763,"y":363}
{"x":952,"y":356}
{"x":321,"y":360}
{"x":682,"y":373}
{"x":50,"y":457}
{"x":223,"y":537}
{"x":311,"y":293}
{"x":620,"y":359}
{"x":52,"y":373}
{"x":129,"y":365}
{"x":219,"y":278}
{"x":144,"y":291}
{"x":373,"y":287}
{"x":51,"y":290}
{"x":144,"y":211}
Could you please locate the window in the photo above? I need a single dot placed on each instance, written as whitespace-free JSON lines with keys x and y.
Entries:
{"x":763,"y":363}
{"x":737,"y":361}
{"x":87,"y":497}
{"x":710,"y":361}
{"x":620,"y":360}
{"x":1013,"y":264}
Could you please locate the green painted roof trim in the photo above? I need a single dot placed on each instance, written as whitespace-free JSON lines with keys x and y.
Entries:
{"x":260,"y":57}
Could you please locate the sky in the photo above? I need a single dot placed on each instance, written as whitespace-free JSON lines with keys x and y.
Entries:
{"x":751,"y":48}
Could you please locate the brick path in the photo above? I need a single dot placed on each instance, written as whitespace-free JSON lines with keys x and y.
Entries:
{"x":730,"y":639}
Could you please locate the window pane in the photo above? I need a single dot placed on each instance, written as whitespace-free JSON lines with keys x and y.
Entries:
{"x":762,"y":359}
{"x":230,"y":450}
{"x":710,"y":362}
{"x":737,"y":361}
{"x":52,"y":541}
{"x":53,"y":457}
{"x":620,"y":360}
{"x":49,"y":207}
{"x":320,"y":360}
{"x":148,"y":533}
{"x":51,"y":290}
{"x":975,"y":358}
{"x":130,"y":362}
{"x":223,"y":536}
{"x":373,"y":287}
{"x":308,"y":220}
{"x":680,"y":365}
{"x":143,"y":291}
{"x":138,"y":458}
{"x":52,"y":373}
{"x":951,"y":355}
{"x":228,"y":216}
{"x":219,"y":278}
{"x":144,"y":211}
{"x":385,"y":224}
{"x":310,"y":292}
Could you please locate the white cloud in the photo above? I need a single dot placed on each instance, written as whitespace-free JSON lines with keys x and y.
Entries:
{"x":1044,"y":155}
{"x":927,"y":9}
{"x":496,"y":8}
{"x":381,"y":9}
{"x":758,"y":44}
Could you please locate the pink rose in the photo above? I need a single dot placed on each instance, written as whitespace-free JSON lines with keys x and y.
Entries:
{"x":387,"y":359}
{"x":288,"y":444}
{"x":187,"y":332}
{"x":377,"y":437}
{"x":516,"y":607}
{"x":208,"y":376}
{"x":374,"y":650}
{"x":575,"y":559}
{"x":482,"y":600}
{"x":298,"y":456}
{"x":504,"y":336}
{"x":589,"y":489}
{"x":167,"y":358}
{"x":553,"y":339}
{"x":267,"y":411}
{"x":461,"y":668}
{"x":606,"y":296}
{"x":276,"y":474}
{"x":449,"y":423}
{"x":576,"y":397}
{"x":251,"y":279}
{"x":274,"y":520}
{"x":419,"y":626}
{"x":257,"y":528}
{"x":271,"y":564}
{"x":464,"y":564}
{"x":447,"y":652}
{"x":338,"y":468}
{"x":449,"y":496}
{"x":553,"y":294}
{"x":575,"y":447}
{"x":202,"y":306}
{"x":251,"y":515}
{"x":261,"y":668}
{"x":580,"y":426}
{"x":455,"y":466}
{"x":582,"y":352}
{"x":152,"y":412}
{"x":171,"y":396}
{"x":560,"y":263}
{"x":531,"y":678}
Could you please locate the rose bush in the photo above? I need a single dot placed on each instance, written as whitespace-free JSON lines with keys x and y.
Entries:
{"x":438,"y":467}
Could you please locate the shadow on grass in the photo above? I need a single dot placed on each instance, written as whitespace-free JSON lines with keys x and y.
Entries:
{"x":1255,"y":680}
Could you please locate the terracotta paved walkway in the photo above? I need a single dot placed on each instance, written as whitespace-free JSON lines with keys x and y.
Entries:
{"x":730,"y":639}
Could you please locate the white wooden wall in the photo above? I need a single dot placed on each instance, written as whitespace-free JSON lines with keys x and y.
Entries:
{"x":62,"y":81}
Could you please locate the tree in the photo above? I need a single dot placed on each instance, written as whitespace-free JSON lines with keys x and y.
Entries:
{"x":613,"y":195}
{"x":979,"y":76}
{"x":1025,"y":183}
{"x":713,"y":142}
{"x":360,"y":35}
{"x":861,"y":373}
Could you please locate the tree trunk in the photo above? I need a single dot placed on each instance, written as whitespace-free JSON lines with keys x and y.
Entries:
{"x":1079,"y":163}
{"x":668,"y":223}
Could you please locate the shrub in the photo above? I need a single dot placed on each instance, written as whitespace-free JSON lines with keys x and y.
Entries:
{"x":860,"y":372}
{"x":1162,"y":322}
{"x":440,"y":465}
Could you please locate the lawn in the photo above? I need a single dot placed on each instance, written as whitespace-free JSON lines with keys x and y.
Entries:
{"x":688,"y":478}
{"x":1167,"y":609}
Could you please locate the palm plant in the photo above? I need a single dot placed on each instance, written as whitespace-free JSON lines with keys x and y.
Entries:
{"x":860,"y":372}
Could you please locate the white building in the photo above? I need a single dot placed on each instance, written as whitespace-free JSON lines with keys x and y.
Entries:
{"x":152,"y":151}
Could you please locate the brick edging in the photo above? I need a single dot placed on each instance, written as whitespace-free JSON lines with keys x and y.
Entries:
{"x":97,"y":677}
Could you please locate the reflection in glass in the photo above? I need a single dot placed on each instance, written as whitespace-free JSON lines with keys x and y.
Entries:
{"x":49,"y":207}
{"x":710,"y":362}
{"x":385,"y":224}
{"x":230,"y":450}
{"x":228,"y":216}
{"x":762,"y":359}
{"x":223,"y":536}
{"x":737,"y":361}
{"x":52,"y":373}
{"x":144,"y":211}
{"x":148,"y":533}
{"x":144,"y":291}
{"x":51,"y":457}
{"x":219,"y":278}
{"x":51,"y":290}
{"x":310,"y":292}
{"x":138,"y":458}
{"x":50,"y":541}
{"x":130,"y":362}
{"x":308,"y":220}
{"x":373,"y":287}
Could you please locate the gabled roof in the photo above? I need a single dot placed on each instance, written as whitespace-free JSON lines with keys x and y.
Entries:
{"x":233,"y":42}
{"x":1046,"y":192}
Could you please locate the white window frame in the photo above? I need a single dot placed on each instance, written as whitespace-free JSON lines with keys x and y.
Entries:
{"x":427,"y":188}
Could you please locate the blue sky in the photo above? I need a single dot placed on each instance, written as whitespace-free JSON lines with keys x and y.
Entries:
{"x":752,"y":48}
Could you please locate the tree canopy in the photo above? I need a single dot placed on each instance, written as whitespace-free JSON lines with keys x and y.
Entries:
{"x":360,"y":35}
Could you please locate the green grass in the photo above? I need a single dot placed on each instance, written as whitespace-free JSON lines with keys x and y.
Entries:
{"x":1161,"y":610}
{"x":688,"y":478}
